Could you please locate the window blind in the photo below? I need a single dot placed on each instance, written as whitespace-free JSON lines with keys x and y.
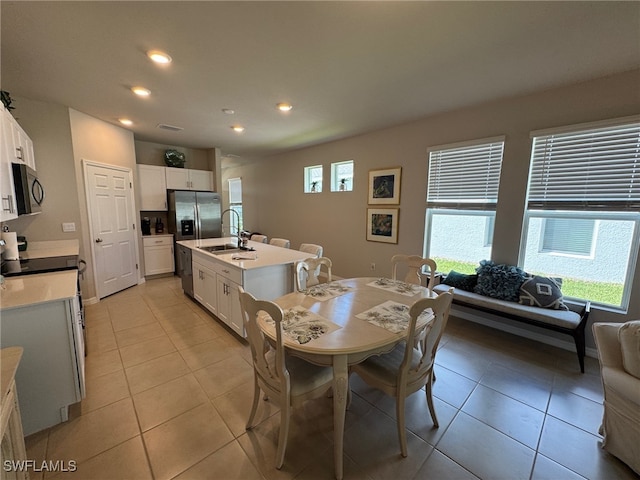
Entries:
{"x":594,"y":169}
{"x":465,"y":176}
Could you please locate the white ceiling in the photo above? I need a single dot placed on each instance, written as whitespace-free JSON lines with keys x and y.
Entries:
{"x":347,"y":67}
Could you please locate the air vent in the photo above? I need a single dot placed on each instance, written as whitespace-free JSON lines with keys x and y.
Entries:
{"x":171,"y":128}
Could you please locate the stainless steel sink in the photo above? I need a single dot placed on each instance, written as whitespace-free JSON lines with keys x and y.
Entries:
{"x":220,"y":249}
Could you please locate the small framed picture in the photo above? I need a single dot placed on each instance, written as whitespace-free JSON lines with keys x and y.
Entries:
{"x":384,"y":186}
{"x":382,"y":225}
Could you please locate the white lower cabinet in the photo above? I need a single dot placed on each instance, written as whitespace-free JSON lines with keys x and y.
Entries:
{"x":204,"y":286}
{"x":229,"y":304}
{"x":158,"y":254}
{"x":51,"y":373}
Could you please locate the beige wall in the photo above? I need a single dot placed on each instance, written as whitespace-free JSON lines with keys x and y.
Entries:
{"x":274,"y":202}
{"x":150,"y":153}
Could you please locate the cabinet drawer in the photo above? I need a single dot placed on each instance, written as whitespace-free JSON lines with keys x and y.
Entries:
{"x":157,"y":241}
{"x":227,"y":271}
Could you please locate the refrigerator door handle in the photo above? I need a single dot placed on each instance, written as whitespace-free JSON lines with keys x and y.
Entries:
{"x":196,"y":229}
{"x":198,"y":222}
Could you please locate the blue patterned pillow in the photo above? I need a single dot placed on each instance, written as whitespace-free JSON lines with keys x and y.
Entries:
{"x":461,"y":281}
{"x":499,"y":281}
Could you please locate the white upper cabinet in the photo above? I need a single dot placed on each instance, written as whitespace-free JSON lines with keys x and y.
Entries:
{"x":8,"y":206}
{"x":153,"y":187}
{"x":187,"y":179}
{"x":18,"y":145}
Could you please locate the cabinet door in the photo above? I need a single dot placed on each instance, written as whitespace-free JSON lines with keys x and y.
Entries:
{"x":177,"y":178}
{"x":153,"y":187}
{"x":23,"y":146}
{"x":7,"y":193}
{"x":229,"y":304}
{"x":201,"y":180}
{"x":204,"y":287}
{"x":158,"y":259}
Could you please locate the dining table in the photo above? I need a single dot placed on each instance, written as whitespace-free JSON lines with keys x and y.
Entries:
{"x":341,"y":323}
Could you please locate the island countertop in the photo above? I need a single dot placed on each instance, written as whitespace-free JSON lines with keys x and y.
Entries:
{"x":266,"y":255}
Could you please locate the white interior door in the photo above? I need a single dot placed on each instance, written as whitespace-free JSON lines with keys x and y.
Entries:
{"x":110,"y":200}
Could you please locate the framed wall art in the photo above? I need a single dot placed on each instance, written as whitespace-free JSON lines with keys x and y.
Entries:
{"x":382,"y":225}
{"x":384,"y":186}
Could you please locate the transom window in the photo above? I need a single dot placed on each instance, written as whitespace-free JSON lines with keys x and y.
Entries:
{"x":313,"y":179}
{"x":342,"y":176}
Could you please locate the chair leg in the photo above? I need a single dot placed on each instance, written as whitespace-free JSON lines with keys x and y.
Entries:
{"x":254,"y":406}
{"x":429,"y":390}
{"x":402,"y":434}
{"x":285,"y":415}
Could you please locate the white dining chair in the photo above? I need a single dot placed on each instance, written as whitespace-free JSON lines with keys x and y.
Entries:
{"x":311,"y":248}
{"x":259,"y":238}
{"x":288,"y":380}
{"x":308,"y":272}
{"x":280,"y":242}
{"x":406,"y":369}
{"x":413,"y":265}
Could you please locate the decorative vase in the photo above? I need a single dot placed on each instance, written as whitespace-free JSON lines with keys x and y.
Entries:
{"x":174,"y":158}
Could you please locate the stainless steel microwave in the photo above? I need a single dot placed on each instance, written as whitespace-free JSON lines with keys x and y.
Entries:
{"x":28,"y":189}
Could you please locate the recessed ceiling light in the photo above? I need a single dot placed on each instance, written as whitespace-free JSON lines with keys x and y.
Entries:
{"x":237,"y":128}
{"x":284,"y":107}
{"x":125,"y":121}
{"x":141,"y":91}
{"x":159,"y":57}
{"x":228,"y":111}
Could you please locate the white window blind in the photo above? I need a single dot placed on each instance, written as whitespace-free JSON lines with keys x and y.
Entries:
{"x":465,"y":175}
{"x":594,"y":169}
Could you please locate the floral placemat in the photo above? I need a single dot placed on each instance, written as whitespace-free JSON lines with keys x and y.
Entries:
{"x":302,"y":325}
{"x":396,"y":286}
{"x":390,"y":315}
{"x":325,"y":291}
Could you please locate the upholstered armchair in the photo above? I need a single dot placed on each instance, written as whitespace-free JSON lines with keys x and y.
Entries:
{"x":619,"y":351}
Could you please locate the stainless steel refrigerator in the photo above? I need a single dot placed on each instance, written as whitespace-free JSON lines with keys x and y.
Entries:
{"x":192,"y":215}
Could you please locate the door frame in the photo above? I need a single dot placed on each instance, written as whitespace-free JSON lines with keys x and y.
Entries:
{"x":85,"y":163}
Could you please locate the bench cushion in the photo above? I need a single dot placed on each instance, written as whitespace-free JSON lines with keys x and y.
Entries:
{"x":561,"y":318}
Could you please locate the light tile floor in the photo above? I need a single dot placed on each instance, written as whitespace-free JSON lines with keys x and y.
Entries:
{"x":169,"y":391}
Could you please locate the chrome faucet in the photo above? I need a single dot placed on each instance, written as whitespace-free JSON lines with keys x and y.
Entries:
{"x":239,"y":243}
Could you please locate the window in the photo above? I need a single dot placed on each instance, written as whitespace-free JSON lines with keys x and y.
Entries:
{"x":582,"y":221}
{"x":342,"y":176}
{"x":313,"y":179}
{"x":462,"y":193}
{"x":235,"y":204}
{"x":571,"y":236}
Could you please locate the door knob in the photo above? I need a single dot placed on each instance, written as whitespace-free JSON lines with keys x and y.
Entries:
{"x":98,"y":240}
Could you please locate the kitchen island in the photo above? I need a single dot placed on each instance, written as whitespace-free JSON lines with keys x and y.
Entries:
{"x":41,"y":314}
{"x":267,"y":272}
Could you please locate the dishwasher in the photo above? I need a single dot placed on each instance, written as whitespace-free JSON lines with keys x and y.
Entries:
{"x":185,"y":270}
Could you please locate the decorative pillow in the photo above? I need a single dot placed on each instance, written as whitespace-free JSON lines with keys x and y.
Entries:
{"x":629,"y":337}
{"x":499,"y":281}
{"x":461,"y":281}
{"x":538,"y":291}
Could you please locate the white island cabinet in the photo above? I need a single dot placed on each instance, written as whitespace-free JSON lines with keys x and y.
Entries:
{"x":216,"y":277}
{"x":41,"y":314}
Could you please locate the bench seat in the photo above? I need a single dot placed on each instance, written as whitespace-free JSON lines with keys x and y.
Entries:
{"x":571,"y":322}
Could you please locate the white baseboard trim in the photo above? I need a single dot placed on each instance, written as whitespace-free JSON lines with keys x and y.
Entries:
{"x":539,"y":337}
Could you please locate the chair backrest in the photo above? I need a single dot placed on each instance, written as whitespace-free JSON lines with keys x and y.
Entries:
{"x":414,"y":264}
{"x":259,"y":238}
{"x":440,"y":305}
{"x":308,"y":272}
{"x":311,"y":248}
{"x":273,"y":376}
{"x":280,"y":242}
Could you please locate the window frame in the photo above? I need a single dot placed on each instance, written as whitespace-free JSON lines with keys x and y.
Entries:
{"x":308,"y":183}
{"x":605,"y":201}
{"x":335,"y":180}
{"x":485,"y":184}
